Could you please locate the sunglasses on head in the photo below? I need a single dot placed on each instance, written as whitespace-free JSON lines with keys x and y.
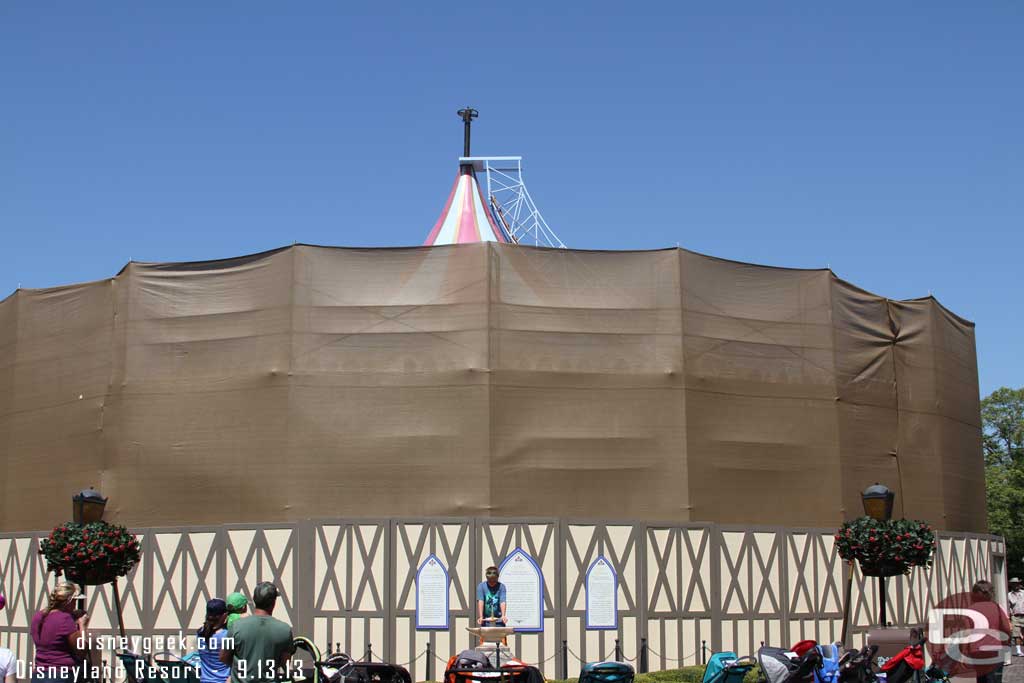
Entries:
{"x":492,"y":573}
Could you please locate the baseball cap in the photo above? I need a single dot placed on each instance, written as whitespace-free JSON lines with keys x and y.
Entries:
{"x":237,"y":602}
{"x":216,"y":607}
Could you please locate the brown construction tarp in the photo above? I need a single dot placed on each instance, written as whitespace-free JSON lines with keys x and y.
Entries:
{"x":484,"y":380}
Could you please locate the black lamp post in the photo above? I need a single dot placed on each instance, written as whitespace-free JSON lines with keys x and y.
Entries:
{"x":878,"y":501}
{"x":88,"y":506}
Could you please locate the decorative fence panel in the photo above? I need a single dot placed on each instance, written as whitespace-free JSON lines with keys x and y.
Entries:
{"x":621,"y":545}
{"x":682,"y":591}
{"x":351,"y":599}
{"x":452,"y":542}
{"x":541,"y":540}
{"x":750,"y":573}
{"x":681,"y":594}
{"x":814,"y":580}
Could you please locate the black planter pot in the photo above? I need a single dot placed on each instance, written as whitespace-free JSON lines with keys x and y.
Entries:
{"x":884,"y":569}
{"x":91,"y":577}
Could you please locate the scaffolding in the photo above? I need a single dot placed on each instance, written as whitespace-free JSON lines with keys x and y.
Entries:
{"x":510,"y":202}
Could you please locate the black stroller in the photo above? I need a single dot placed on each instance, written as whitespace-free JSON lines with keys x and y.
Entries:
{"x":855,"y":666}
{"x":338,"y":667}
{"x":779,"y":665}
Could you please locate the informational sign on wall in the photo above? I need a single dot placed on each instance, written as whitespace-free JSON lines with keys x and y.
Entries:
{"x":432,"y":595}
{"x":602,"y":588}
{"x":524,"y":588}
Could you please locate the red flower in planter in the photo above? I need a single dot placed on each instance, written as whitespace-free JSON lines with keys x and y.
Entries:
{"x":894,"y":545}
{"x":94,"y":553}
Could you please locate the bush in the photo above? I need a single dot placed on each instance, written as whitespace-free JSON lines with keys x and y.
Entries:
{"x":688,"y":674}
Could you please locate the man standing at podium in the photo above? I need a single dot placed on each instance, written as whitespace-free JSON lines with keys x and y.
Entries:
{"x":491,"y":600}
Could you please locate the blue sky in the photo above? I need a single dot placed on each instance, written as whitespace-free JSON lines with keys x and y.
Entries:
{"x":885,"y":140}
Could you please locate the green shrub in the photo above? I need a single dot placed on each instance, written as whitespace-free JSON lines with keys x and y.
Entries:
{"x":688,"y":674}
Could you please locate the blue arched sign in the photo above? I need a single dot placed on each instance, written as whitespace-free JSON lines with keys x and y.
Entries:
{"x":602,"y":588}
{"x":432,"y":595}
{"x":524,"y":590}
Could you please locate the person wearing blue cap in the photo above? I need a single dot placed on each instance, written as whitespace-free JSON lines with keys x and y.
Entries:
{"x":210,"y":636}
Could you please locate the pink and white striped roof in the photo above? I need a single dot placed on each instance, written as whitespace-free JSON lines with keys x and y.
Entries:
{"x":465,"y":217}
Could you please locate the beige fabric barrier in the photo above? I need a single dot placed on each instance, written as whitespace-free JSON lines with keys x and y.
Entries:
{"x":484,"y":379}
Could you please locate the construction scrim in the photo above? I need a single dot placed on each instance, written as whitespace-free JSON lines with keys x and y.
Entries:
{"x":485,"y":380}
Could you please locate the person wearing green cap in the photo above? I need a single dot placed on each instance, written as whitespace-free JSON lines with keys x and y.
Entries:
{"x":237,"y":607}
{"x":260,"y":644}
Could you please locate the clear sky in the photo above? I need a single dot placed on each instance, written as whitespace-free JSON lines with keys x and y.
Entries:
{"x":885,"y":140}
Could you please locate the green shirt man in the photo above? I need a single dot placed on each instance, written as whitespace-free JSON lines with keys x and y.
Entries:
{"x":259,"y":643}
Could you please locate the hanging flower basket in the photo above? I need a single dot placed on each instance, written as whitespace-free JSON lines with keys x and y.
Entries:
{"x":90,"y":554}
{"x":887,"y":548}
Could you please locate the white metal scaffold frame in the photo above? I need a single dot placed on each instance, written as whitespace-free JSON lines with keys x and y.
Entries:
{"x":510,"y":202}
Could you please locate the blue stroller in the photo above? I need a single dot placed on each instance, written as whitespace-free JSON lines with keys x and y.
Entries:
{"x":606,"y":672}
{"x":829,"y":671}
{"x":726,"y":667}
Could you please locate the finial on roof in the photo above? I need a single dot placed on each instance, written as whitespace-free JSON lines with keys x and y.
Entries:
{"x":467,"y":115}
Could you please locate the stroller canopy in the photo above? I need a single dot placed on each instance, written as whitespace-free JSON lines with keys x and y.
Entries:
{"x":716,"y":664}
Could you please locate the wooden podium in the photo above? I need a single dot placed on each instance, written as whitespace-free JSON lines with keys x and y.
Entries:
{"x":493,"y":634}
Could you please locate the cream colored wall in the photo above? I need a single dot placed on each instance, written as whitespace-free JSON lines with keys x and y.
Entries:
{"x":680,"y":588}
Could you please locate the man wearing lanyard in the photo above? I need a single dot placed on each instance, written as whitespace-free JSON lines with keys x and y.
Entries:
{"x":1016,"y":604}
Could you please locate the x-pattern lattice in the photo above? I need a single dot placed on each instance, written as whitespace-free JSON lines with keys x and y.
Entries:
{"x":361,"y":556}
{"x":260,"y":557}
{"x":328,"y":555}
{"x":669,"y":561}
{"x":184,"y":564}
{"x":814,"y":572}
{"x":19,"y":560}
{"x":601,"y":543}
{"x":747,"y":571}
{"x":447,"y":551}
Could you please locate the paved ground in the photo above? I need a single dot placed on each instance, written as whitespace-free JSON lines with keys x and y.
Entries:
{"x":1015,"y":672}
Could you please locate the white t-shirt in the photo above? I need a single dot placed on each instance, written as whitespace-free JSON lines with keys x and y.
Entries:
{"x":1016,"y":600}
{"x":8,"y":663}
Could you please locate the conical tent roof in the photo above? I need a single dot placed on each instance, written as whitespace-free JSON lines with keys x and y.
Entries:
{"x":465,"y":217}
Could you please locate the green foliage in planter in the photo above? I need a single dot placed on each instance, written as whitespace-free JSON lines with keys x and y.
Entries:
{"x":896,"y":544}
{"x":92,"y":554}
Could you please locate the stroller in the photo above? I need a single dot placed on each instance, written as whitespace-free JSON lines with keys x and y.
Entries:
{"x":726,"y":667}
{"x":909,"y":660}
{"x":855,"y":666}
{"x":338,"y":667}
{"x":830,"y":657}
{"x":473,"y":666}
{"x":779,"y":665}
{"x":607,"y":672}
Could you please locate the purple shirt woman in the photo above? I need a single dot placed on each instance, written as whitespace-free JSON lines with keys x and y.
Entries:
{"x":56,"y":634}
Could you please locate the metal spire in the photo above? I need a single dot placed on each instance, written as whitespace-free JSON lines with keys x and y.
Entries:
{"x":467,"y":115}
